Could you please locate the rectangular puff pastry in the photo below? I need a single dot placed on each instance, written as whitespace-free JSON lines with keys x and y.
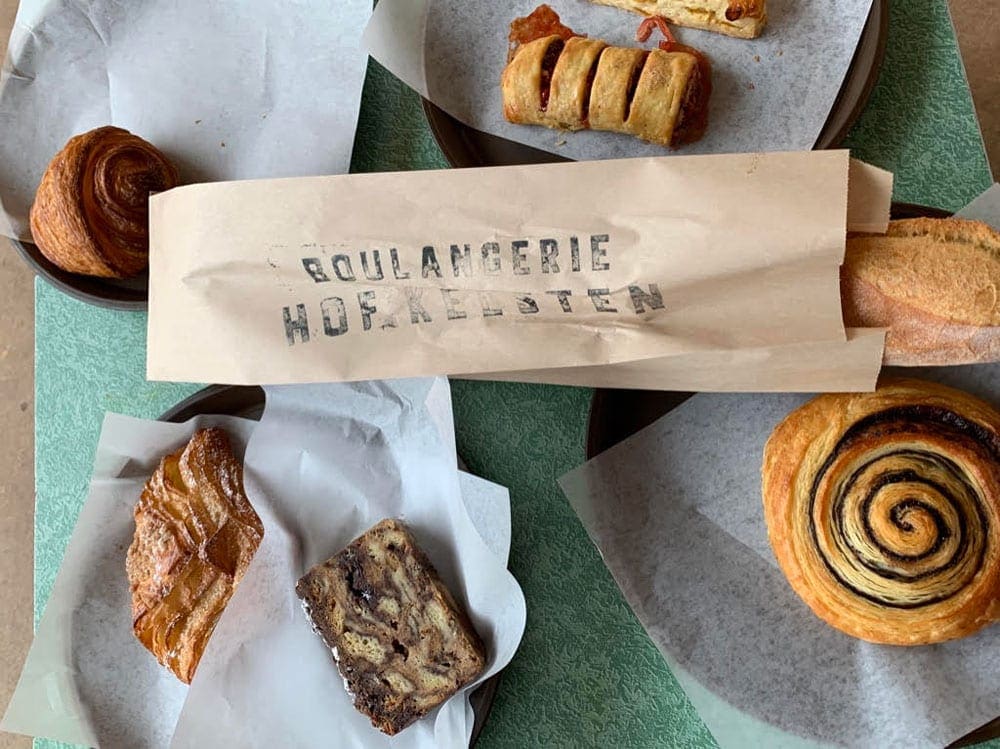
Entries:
{"x":741,"y":18}
{"x":580,"y":83}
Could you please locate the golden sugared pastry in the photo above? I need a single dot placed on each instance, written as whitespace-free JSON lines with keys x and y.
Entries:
{"x":741,"y":18}
{"x":90,"y":212}
{"x":195,"y":534}
{"x":883,"y":510}
{"x":934,"y":283}
{"x":565,"y":81}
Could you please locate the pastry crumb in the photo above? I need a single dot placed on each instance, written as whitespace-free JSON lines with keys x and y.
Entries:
{"x":751,"y":86}
{"x":781,"y":52}
{"x":756,"y":58}
{"x":561,"y":142}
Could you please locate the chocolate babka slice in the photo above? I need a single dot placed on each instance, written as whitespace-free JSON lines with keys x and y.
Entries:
{"x":401,"y":642}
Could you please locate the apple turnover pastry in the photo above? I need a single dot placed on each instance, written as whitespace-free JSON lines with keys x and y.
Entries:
{"x":90,"y":214}
{"x":195,"y":534}
{"x":560,"y":79}
{"x":883,"y":510}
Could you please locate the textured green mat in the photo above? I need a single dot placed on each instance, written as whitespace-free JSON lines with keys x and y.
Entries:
{"x":586,"y":674}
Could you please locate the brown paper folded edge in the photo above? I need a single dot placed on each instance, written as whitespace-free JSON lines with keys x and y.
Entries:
{"x":869,"y":198}
{"x":852,"y":365}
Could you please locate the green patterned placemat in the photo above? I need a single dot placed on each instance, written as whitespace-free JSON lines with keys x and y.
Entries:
{"x":920,"y":122}
{"x":586,"y":675}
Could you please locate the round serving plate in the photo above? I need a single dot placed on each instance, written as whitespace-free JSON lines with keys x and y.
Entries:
{"x":247,"y":401}
{"x":464,"y":146}
{"x":130,"y":294}
{"x":616,"y":415}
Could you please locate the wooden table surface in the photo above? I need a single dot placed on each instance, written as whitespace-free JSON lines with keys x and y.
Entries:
{"x":17,"y":492}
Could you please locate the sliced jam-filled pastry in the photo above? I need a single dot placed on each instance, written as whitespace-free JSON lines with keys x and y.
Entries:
{"x":569,"y":82}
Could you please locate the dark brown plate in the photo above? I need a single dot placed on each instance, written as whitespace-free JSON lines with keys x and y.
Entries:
{"x":129,"y":294}
{"x":616,"y":415}
{"x":247,"y":401}
{"x":464,"y":146}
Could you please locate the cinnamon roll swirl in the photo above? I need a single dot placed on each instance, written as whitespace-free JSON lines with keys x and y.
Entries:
{"x":90,"y":212}
{"x":883,"y":510}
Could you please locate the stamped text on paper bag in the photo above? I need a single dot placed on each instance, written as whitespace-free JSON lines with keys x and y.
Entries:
{"x":375,"y":307}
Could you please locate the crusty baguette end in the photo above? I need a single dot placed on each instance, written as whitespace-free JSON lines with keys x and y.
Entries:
{"x":934,"y":284}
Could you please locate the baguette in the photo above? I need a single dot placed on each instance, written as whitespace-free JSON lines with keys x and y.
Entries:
{"x":934,"y":283}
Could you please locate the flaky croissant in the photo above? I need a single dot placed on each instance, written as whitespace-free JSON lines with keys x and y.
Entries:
{"x":90,"y":212}
{"x":195,"y":534}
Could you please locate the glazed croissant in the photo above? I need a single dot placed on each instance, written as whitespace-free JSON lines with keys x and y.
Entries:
{"x":195,"y":534}
{"x":90,"y":211}
{"x":577,"y":83}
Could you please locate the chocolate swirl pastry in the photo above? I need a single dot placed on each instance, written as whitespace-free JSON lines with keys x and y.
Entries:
{"x":883,"y":510}
{"x":90,"y":212}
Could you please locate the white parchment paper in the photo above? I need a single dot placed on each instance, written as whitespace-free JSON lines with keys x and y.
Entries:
{"x":324,"y":461}
{"x":985,"y":208}
{"x":87,"y":680}
{"x":773,"y":93}
{"x":227,"y":90}
{"x":676,"y":513}
{"x":345,"y":457}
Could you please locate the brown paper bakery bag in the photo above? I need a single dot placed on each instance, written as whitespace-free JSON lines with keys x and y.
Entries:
{"x":507,"y":269}
{"x":823,"y":366}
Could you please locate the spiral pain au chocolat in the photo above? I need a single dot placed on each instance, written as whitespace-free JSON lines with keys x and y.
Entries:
{"x":883,"y":510}
{"x":90,"y":213}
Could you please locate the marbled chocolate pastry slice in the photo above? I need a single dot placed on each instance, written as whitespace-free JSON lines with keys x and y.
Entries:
{"x":402,"y":643}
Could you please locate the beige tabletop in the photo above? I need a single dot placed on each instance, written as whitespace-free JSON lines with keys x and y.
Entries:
{"x":976,"y":22}
{"x":17,"y":492}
